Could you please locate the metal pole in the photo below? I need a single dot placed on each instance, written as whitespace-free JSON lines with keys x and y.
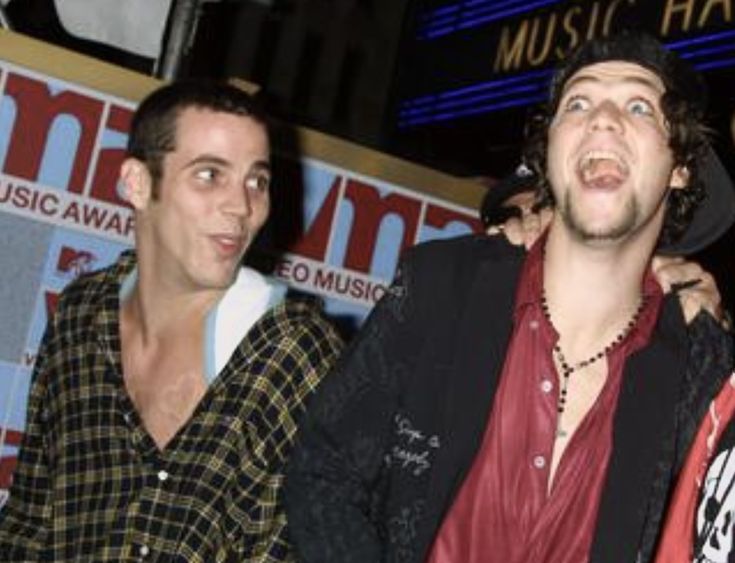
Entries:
{"x":183,"y":20}
{"x":4,"y":20}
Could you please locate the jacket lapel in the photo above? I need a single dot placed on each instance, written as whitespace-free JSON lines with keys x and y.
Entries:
{"x":481,"y":333}
{"x":644,"y":427}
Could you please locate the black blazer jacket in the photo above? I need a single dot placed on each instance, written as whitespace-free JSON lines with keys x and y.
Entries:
{"x":391,"y":434}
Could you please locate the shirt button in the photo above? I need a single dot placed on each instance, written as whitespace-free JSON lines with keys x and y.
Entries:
{"x":162,"y":475}
{"x":539,"y":462}
{"x":144,"y":550}
{"x":547,"y":386}
{"x":533,"y":325}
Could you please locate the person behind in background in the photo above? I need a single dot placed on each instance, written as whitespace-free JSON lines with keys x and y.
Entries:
{"x":513,"y":196}
{"x":168,"y":386}
{"x":508,"y":406}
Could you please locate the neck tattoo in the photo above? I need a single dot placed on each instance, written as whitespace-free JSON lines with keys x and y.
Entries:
{"x":568,"y":368}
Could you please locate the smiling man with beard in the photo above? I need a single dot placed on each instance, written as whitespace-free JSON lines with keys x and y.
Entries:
{"x":168,"y":386}
{"x":507,"y":407}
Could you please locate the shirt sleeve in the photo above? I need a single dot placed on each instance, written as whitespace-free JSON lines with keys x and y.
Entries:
{"x":335,"y":468}
{"x":297,"y":363}
{"x":24,"y":518}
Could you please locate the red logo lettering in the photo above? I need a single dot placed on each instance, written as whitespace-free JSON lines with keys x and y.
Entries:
{"x":37,"y":107}
{"x":370,"y":210}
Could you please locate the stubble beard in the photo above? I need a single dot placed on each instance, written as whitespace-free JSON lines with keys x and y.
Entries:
{"x":610,"y":233}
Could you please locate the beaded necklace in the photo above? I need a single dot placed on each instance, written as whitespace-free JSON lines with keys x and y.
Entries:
{"x":567,"y":368}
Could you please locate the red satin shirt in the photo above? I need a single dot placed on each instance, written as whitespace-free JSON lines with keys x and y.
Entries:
{"x":504,"y":511}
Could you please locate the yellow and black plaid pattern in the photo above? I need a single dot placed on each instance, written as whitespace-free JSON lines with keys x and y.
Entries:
{"x":91,"y":485}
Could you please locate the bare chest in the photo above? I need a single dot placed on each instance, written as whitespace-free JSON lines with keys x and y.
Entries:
{"x":583,"y":389}
{"x":165,"y":388}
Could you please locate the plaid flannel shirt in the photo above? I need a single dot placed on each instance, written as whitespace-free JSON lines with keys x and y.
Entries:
{"x":91,"y":485}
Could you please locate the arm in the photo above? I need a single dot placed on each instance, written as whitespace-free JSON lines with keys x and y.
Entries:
{"x":300,"y":351}
{"x":333,"y":478}
{"x":24,"y":517}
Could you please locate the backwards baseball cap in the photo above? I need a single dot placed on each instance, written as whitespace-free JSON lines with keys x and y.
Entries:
{"x":716,"y":212}
{"x":492,"y":210}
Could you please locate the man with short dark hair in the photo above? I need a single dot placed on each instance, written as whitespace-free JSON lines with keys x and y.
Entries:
{"x":168,"y":386}
{"x":512,"y":407}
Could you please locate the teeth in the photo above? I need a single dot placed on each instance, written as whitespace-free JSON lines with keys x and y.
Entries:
{"x":591,"y":157}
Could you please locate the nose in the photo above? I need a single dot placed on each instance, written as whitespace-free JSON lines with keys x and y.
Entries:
{"x":237,"y":200}
{"x":606,"y":117}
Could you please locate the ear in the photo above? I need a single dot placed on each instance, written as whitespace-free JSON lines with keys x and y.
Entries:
{"x":679,"y":178}
{"x":137,"y":183}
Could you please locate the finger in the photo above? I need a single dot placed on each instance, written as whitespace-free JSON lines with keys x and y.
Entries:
{"x":545,"y":216}
{"x":672,"y":273}
{"x":532,"y":228}
{"x":683,"y":286}
{"x":703,"y":295}
{"x":660,"y":261}
{"x":513,"y":229}
{"x":694,"y":301}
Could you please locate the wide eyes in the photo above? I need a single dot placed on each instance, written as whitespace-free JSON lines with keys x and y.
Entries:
{"x":207,"y":174}
{"x":635,"y":106}
{"x":577,"y":103}
{"x":258,"y":181}
{"x":640,"y":107}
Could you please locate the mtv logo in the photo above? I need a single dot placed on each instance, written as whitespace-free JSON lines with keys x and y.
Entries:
{"x":75,"y":262}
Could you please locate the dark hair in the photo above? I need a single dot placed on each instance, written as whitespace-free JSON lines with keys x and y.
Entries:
{"x":683,"y":105}
{"x":153,"y":127}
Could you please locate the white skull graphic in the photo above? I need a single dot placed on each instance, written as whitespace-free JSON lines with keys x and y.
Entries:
{"x":716,"y":511}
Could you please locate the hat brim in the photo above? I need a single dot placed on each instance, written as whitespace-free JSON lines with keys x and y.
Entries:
{"x":714,"y":216}
{"x":507,"y":187}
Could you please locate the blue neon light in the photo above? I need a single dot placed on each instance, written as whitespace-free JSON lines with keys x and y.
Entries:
{"x":439,"y":12}
{"x":472,"y":111}
{"x":700,"y":39}
{"x":469,"y":99}
{"x":715,"y":64}
{"x":468,"y":6}
{"x":707,"y":51}
{"x":446,"y":21}
{"x":473,"y":18}
{"x":489,"y":85}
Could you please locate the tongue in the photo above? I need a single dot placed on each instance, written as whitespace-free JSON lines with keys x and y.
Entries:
{"x":602,"y":173}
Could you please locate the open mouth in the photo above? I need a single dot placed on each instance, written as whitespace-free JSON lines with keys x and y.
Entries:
{"x":229,"y":245}
{"x":602,"y":169}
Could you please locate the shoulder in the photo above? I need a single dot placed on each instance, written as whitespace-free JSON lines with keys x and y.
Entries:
{"x":83,"y":295}
{"x":298,"y":323}
{"x":290,"y":349}
{"x":476,"y":245}
{"x":449,"y":266}
{"x":440,"y":254}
